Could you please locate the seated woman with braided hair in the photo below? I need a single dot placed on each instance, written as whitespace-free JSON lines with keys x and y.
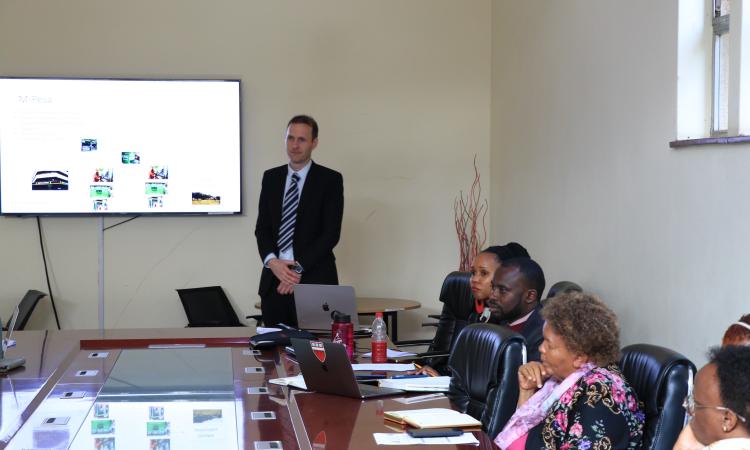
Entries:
{"x":576,"y":398}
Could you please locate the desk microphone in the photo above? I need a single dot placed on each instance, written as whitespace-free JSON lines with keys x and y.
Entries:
{"x":8,"y":364}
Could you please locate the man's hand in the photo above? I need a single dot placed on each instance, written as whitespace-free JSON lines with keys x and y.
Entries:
{"x":280,"y":268}
{"x":284,"y":288}
{"x":531,"y":377}
{"x":427,"y":370}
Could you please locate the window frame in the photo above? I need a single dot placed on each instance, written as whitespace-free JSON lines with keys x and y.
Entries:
{"x":720,"y":25}
{"x":696,"y":74}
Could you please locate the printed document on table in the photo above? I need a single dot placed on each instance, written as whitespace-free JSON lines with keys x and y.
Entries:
{"x":384,"y":367}
{"x":405,"y":439}
{"x":427,"y":384}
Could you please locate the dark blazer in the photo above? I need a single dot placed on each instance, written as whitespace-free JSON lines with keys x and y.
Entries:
{"x":532,"y":332}
{"x":316,"y":231}
{"x":454,"y":323}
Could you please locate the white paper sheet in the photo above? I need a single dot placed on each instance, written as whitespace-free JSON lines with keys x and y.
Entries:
{"x":296,"y":381}
{"x":426,"y":384}
{"x":405,"y":439}
{"x":384,"y":367}
{"x":419,"y":398}
{"x":264,"y":330}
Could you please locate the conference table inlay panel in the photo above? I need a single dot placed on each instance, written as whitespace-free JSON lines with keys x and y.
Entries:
{"x":110,"y":390}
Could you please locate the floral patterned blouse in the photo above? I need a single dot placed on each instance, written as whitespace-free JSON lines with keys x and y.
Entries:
{"x":599,"y":412}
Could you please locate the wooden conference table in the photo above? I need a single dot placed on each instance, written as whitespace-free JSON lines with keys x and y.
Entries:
{"x":390,"y":307}
{"x":80,"y":377}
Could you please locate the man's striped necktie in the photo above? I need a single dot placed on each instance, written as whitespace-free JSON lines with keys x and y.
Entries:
{"x":289,"y":215}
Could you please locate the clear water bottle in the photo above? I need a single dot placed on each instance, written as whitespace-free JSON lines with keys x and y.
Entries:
{"x":379,"y":339}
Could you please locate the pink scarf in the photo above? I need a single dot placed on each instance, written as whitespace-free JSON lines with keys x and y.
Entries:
{"x":531,"y":413}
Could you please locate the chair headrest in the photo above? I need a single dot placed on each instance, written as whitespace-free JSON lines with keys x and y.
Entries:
{"x":485,"y":339}
{"x":648,"y":369}
{"x":455,"y":283}
{"x":456,"y":293}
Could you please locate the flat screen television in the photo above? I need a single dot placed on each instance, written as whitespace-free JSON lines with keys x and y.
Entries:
{"x":119,"y":146}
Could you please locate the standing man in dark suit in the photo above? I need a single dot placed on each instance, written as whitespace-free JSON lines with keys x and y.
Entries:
{"x":299,"y":223}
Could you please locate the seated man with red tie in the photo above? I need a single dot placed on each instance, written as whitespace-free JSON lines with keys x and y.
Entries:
{"x":514,"y":301}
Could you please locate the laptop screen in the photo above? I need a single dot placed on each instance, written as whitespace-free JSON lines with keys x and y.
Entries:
{"x":314,"y":304}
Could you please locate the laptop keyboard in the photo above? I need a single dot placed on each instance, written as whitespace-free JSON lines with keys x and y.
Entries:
{"x":364,"y":388}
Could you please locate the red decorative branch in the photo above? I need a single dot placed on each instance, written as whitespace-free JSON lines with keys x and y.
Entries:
{"x":468,"y":213}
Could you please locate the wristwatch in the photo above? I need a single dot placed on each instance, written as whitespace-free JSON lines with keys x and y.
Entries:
{"x":297,"y":267}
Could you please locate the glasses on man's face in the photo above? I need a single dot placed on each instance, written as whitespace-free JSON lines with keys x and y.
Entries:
{"x":690,"y":405}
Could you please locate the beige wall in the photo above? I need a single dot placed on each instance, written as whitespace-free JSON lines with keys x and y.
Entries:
{"x":402,"y":93}
{"x":583,"y":98}
{"x":584,"y":105}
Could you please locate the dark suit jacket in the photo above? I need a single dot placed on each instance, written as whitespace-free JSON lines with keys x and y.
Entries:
{"x":451,"y":325}
{"x":532,"y":332}
{"x":316,"y":231}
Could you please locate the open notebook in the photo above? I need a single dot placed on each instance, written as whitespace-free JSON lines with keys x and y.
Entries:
{"x":432,"y":418}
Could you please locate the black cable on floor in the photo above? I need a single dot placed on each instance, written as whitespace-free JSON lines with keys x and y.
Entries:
{"x":46,"y":272}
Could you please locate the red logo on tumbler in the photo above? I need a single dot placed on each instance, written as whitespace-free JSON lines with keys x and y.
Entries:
{"x":318,"y":350}
{"x":320,"y":441}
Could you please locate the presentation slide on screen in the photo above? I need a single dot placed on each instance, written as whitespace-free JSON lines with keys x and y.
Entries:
{"x":119,"y":146}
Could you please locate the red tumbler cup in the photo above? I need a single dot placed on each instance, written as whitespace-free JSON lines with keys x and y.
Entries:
{"x":342,"y":332}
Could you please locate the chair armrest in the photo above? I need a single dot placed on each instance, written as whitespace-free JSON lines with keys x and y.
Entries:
{"x":258,"y":318}
{"x":434,"y":316}
{"x":421,"y":356}
{"x":432,"y":354}
{"x":413,"y":343}
{"x":430,"y":324}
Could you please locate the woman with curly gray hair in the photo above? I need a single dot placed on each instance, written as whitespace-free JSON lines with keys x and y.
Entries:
{"x":576,"y":396}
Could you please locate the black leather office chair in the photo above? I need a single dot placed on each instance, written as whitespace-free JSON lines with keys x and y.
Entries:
{"x":25,"y":308}
{"x":484,"y":365}
{"x":457,"y":306}
{"x":661,"y":378}
{"x":455,"y":294}
{"x":208,"y":307}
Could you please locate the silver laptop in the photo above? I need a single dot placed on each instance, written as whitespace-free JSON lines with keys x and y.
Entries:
{"x":326,"y":369}
{"x":315,"y":303}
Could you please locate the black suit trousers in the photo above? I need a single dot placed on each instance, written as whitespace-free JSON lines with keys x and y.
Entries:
{"x":278,"y":308}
